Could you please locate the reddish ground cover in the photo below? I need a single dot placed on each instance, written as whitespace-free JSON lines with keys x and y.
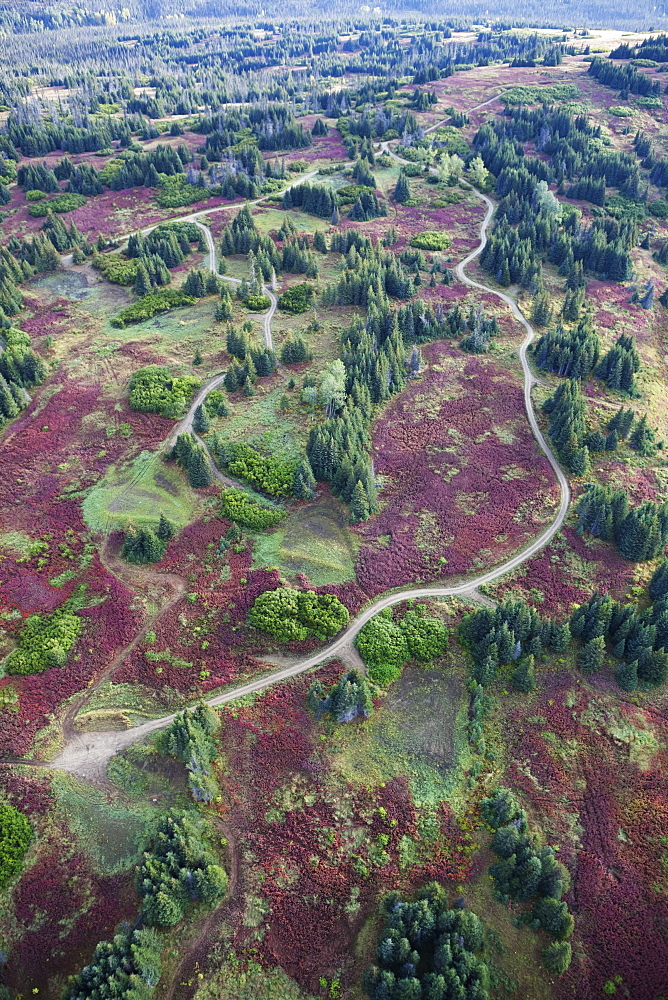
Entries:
{"x":465,"y":482}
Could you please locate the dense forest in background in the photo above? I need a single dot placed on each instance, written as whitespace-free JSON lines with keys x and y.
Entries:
{"x":34,"y":16}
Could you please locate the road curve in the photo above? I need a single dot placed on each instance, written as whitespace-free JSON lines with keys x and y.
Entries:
{"x":88,"y":754}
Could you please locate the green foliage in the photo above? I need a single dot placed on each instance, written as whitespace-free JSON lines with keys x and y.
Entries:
{"x":142,"y":545}
{"x":428,"y":950}
{"x":297,"y":298}
{"x":15,"y":836}
{"x":155,"y":390}
{"x":431,"y":240}
{"x":44,"y":641}
{"x":349,"y":697}
{"x":265,"y":472}
{"x":149,"y":305}
{"x":386,"y":645}
{"x":189,"y":738}
{"x":249,"y":512}
{"x":290,"y":615}
{"x":178,"y":867}
{"x":66,"y":202}
{"x":533,"y":94}
{"x":257,"y":303}
{"x":557,"y":957}
{"x":175,"y":192}
{"x":127,"y":968}
{"x":116,"y":268}
{"x":640,"y":533}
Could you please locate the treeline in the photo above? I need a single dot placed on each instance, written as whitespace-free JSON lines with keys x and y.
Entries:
{"x":638,"y":639}
{"x":576,"y":354}
{"x":428,"y":949}
{"x":626,"y":79}
{"x":640,"y":533}
{"x":189,"y":738}
{"x":526,"y":872}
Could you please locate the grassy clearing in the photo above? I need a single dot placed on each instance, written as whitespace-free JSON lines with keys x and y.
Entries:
{"x":417,"y":733}
{"x":139,"y":492}
{"x":110,"y":832}
{"x":314,"y":540}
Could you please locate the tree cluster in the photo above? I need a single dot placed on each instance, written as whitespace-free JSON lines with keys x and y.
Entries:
{"x":293,"y":615}
{"x":347,"y":698}
{"x":640,"y":533}
{"x":386,"y":644}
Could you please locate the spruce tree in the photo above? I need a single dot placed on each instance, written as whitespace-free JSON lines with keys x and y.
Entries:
{"x":142,"y":285}
{"x":524,"y":677}
{"x":201,"y":422}
{"x":199,"y":471}
{"x":627,"y":676}
{"x":165,"y":529}
{"x":592,"y":655}
{"x":359,"y":502}
{"x":304,"y":482}
{"x":402,"y":191}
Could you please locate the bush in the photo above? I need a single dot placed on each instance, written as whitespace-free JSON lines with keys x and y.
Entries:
{"x":61,"y":203}
{"x":116,"y":268}
{"x":384,"y":674}
{"x":248,"y":512}
{"x":269,"y":474}
{"x":382,"y":643}
{"x":35,"y":195}
{"x":427,"y":637}
{"x":15,"y":836}
{"x":291,"y":615}
{"x":659,"y":209}
{"x":151,"y":304}
{"x":296,"y":299}
{"x":431,"y":240}
{"x":557,"y":957}
{"x":44,"y":641}
{"x":155,"y":390}
{"x":257,"y":303}
{"x":175,"y":191}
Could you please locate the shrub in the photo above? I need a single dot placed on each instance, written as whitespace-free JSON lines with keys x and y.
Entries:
{"x":384,"y":674}
{"x":175,"y":191}
{"x":431,"y":240}
{"x":427,"y":637}
{"x":659,"y":209}
{"x":116,"y":268}
{"x":15,"y":836}
{"x":44,"y":641}
{"x":381,"y":643}
{"x":557,"y":957}
{"x":35,"y":195}
{"x":257,"y":303}
{"x":250,"y":513}
{"x":297,"y":614}
{"x":151,"y":304}
{"x":269,"y":474}
{"x":155,"y":390}
{"x":296,"y":299}
{"x":61,"y":203}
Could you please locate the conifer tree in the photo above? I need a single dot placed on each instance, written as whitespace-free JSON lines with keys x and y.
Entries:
{"x":402,"y":191}
{"x":199,"y":471}
{"x":201,"y":422}
{"x":592,"y":655}
{"x":524,"y":677}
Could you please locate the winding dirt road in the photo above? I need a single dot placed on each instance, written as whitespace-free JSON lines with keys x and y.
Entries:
{"x":87,"y":754}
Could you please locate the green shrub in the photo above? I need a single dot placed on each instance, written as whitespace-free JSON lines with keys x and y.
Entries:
{"x":291,"y":615}
{"x":116,"y":268}
{"x":659,"y":209}
{"x":248,"y":512}
{"x":267,"y":473}
{"x":427,"y":637}
{"x":151,"y":304}
{"x":257,"y":303}
{"x":382,"y":643}
{"x":384,"y":674}
{"x":15,"y":836}
{"x":175,"y":191}
{"x":66,"y":202}
{"x":44,"y":641}
{"x":35,"y":195}
{"x":155,"y":390}
{"x":431,"y":240}
{"x":621,"y":111}
{"x":296,"y":299}
{"x":349,"y":192}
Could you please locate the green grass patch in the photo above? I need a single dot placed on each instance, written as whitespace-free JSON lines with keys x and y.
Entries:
{"x":314,"y":540}
{"x":139,"y":492}
{"x":418,"y":732}
{"x":111,"y":833}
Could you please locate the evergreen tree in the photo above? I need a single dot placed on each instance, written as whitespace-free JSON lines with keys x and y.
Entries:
{"x":305,"y":483}
{"x":402,"y":191}
{"x":359,"y":502}
{"x":627,"y":676}
{"x":199,"y":471}
{"x":165,"y":529}
{"x":592,"y":656}
{"x":201,"y":422}
{"x":524,"y":677}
